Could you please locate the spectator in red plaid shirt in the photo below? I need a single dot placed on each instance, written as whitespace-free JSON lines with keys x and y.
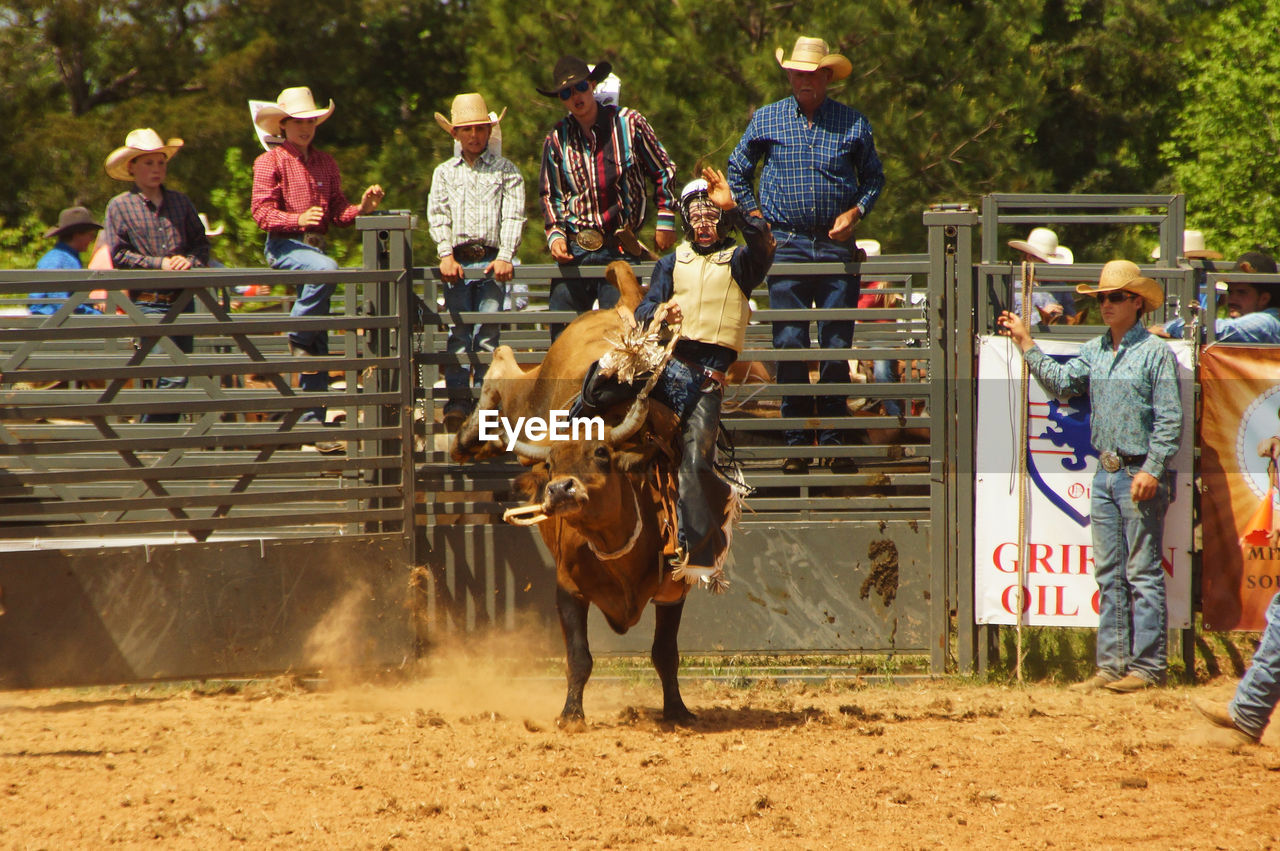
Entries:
{"x":153,"y":227}
{"x":297,"y":196}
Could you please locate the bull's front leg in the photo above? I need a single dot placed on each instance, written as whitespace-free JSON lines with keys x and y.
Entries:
{"x":666,"y":659}
{"x":573,"y":623}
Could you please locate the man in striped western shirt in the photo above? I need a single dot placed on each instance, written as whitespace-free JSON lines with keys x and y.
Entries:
{"x":820,"y":177}
{"x":596,"y":163}
{"x":475,"y":212}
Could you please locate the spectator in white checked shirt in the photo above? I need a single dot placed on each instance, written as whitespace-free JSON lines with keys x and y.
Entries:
{"x":475,"y":212}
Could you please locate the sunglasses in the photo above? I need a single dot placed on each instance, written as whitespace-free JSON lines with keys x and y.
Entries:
{"x":580,"y":86}
{"x":1115,"y":297}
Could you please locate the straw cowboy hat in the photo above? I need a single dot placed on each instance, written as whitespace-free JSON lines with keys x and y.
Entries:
{"x":1192,"y":247}
{"x":137,"y":143}
{"x":1125,"y":275}
{"x":72,"y":219}
{"x":467,"y":110}
{"x":810,"y":54}
{"x":570,"y":70}
{"x":297,"y":102}
{"x":1042,"y":244}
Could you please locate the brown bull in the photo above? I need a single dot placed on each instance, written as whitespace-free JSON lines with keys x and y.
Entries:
{"x":605,"y":507}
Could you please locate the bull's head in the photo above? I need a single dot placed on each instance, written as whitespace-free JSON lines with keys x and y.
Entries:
{"x":582,"y":477}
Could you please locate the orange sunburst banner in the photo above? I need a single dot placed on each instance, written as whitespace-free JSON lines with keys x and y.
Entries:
{"x":1239,"y":449}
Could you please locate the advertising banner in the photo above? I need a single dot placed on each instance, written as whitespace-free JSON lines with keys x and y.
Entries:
{"x":1239,"y":449}
{"x":1061,"y":590}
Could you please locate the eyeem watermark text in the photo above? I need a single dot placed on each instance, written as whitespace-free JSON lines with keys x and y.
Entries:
{"x":558,"y":426}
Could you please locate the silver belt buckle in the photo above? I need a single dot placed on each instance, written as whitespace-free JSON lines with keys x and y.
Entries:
{"x":1110,"y":461}
{"x":589,"y":239}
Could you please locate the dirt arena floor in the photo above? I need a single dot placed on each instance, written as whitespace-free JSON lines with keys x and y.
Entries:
{"x":472,"y":758}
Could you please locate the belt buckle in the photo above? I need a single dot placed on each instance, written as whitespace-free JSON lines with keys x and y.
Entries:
{"x":470,"y":252}
{"x":315,"y":240}
{"x":589,"y":239}
{"x":1110,"y":461}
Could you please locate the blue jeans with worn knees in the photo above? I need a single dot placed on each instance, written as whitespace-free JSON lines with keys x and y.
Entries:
{"x":312,"y":300}
{"x":184,"y":344}
{"x":810,"y":291}
{"x":470,"y":296}
{"x":886,"y":372}
{"x":1259,"y":692}
{"x":579,"y":294}
{"x":1127,"y":544}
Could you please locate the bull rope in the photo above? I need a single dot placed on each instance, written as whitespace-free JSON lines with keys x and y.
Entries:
{"x":1028,"y":275}
{"x":635,"y":533}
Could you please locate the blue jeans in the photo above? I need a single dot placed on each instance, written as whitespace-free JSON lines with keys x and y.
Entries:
{"x":484,"y":295}
{"x":1133,"y":619}
{"x":579,"y":294}
{"x":828,"y":291}
{"x":886,"y":372}
{"x":312,"y":300}
{"x":184,"y":343}
{"x":1259,"y":691}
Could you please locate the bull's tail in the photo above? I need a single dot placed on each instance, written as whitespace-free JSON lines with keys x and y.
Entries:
{"x":622,"y":276}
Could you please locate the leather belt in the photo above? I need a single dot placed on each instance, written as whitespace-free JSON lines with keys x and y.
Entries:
{"x":712,"y":378}
{"x":470,"y":252}
{"x":153,"y":296}
{"x":315,"y":240}
{"x":1113,"y":461}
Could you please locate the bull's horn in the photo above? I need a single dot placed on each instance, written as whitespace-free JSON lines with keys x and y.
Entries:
{"x":534,"y":451}
{"x":630,"y":423}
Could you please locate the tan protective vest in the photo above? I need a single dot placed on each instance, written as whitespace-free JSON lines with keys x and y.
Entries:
{"x":714,"y":306}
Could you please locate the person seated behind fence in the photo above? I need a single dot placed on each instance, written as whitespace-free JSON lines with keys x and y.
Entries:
{"x":882,"y":371}
{"x":475,"y":213}
{"x":1257,"y":694}
{"x":1253,"y":307}
{"x":76,"y":230}
{"x":1041,"y":246}
{"x":153,"y":227}
{"x":297,"y":197}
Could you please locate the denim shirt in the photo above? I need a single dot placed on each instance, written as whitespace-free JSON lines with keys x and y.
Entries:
{"x":1133,"y":391}
{"x":1261,"y":326}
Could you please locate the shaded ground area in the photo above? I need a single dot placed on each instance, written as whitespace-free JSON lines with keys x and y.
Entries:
{"x":475,"y":760}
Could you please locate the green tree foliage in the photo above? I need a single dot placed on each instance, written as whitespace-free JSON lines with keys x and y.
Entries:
{"x":1225,"y":145}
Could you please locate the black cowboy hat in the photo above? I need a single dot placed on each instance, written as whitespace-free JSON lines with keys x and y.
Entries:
{"x":570,"y":70}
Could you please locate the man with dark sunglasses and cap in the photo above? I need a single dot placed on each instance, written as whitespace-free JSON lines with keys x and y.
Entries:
{"x":596,"y":164}
{"x":1135,"y":425}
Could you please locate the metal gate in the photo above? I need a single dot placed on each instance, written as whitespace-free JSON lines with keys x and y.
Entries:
{"x":821,"y":563}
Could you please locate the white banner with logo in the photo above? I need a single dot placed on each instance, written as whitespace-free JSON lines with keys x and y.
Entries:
{"x":1061,"y":590}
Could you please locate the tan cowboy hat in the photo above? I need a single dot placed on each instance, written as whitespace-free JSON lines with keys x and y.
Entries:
{"x":1125,"y":275}
{"x":297,"y":102}
{"x":1192,"y":247}
{"x":810,"y":54}
{"x":73,"y":218}
{"x":467,"y":110}
{"x":570,"y":70}
{"x":1042,"y":244}
{"x":137,"y":143}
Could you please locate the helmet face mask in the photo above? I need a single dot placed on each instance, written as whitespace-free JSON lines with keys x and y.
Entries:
{"x":702,"y":220}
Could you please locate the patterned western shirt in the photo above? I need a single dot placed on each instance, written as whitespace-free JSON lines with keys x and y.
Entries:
{"x":286,"y":184}
{"x":141,"y":234}
{"x":812,"y":172}
{"x":1133,"y":391}
{"x":597,"y":180}
{"x":1261,"y":326}
{"x":480,"y":203}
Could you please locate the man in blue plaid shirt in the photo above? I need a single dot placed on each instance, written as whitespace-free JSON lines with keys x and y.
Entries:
{"x":820,"y":177}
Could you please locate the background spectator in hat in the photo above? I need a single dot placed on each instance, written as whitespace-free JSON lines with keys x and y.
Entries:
{"x":153,"y":227}
{"x":1253,"y":307}
{"x":871,"y":296}
{"x":1041,"y":246}
{"x":596,"y":164}
{"x":475,"y":212}
{"x":297,"y":197}
{"x":75,"y":232}
{"x":820,"y":177}
{"x":1135,"y":425}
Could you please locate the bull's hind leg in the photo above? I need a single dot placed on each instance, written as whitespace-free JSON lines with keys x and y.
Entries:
{"x":573,"y":623}
{"x":666,"y":659}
